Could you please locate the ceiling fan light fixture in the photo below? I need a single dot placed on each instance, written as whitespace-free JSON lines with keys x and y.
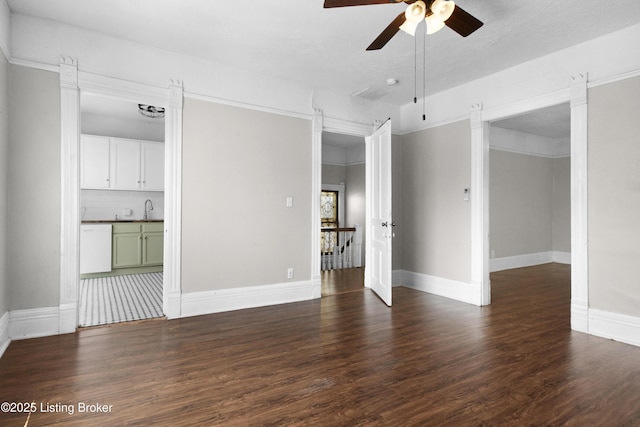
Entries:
{"x":442,"y":9}
{"x":414,"y":14}
{"x":409,"y":28}
{"x":433,"y":24}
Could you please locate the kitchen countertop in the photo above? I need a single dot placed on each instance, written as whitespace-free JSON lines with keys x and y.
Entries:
{"x":111,"y":221}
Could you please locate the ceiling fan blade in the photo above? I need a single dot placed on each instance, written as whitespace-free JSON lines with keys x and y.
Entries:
{"x":342,"y":3}
{"x":388,"y":33}
{"x":463,"y":22}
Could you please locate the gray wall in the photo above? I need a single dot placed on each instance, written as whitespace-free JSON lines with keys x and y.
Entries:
{"x":561,"y":205}
{"x":333,"y":174}
{"x":614,"y":197}
{"x":4,"y":147}
{"x":396,"y":201}
{"x":436,"y":221}
{"x":355,"y":195}
{"x":239,"y":167}
{"x":530,"y":204}
{"x":33,"y":234}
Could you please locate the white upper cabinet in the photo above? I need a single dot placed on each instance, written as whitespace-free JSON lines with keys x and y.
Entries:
{"x":95,"y":153}
{"x":121,"y":164}
{"x":152,"y":166}
{"x":125,"y":164}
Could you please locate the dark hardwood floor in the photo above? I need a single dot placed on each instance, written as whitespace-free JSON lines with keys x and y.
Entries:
{"x":343,"y":360}
{"x":341,"y":281}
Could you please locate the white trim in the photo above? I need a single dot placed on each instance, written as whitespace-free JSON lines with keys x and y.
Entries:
{"x":453,"y":289}
{"x":480,"y":206}
{"x":527,"y":260}
{"x":33,"y":322}
{"x":397,"y":277}
{"x":171,"y":99}
{"x":331,"y":124}
{"x":172,"y":277}
{"x":579,"y":204}
{"x":111,"y":87}
{"x":321,"y":124}
{"x":70,"y":193}
{"x":316,"y":188}
{"x":529,"y":153}
{"x":615,"y":326}
{"x":576,"y":94}
{"x":34,"y":65}
{"x":67,"y":318}
{"x":519,"y":261}
{"x":246,"y":105}
{"x":345,"y":164}
{"x":430,"y":125}
{"x":4,"y":332}
{"x":614,"y":78}
{"x":528,"y":144}
{"x":216,"y":301}
{"x":561,"y":257}
{"x":524,"y":106}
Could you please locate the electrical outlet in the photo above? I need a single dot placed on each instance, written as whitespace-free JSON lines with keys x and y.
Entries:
{"x":290,"y":273}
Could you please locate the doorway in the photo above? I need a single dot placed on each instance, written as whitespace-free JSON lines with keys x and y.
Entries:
{"x":121,"y":210}
{"x":530,"y":189}
{"x":342,"y":217}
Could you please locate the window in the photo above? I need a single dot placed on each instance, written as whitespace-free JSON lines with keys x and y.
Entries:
{"x":329,"y":219}
{"x":329,"y":209}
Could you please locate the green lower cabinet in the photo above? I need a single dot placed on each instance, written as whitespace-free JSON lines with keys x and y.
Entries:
{"x":127,"y":250}
{"x":152,"y":248}
{"x":137,"y":244}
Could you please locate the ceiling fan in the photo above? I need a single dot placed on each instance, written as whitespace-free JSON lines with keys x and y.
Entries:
{"x":436,"y":13}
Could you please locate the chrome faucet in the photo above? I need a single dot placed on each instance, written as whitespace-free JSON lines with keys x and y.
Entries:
{"x":146,"y":211}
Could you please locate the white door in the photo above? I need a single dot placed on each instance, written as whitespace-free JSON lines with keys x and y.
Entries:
{"x":379,"y":222}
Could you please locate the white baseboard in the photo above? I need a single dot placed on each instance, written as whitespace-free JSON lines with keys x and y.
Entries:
{"x":4,"y":332}
{"x":68,"y":318}
{"x":459,"y":291}
{"x":561,"y":257}
{"x":615,"y":326}
{"x":33,"y":322}
{"x":527,"y":260}
{"x":207,"y":302}
{"x":172,"y":304}
{"x":579,"y":317}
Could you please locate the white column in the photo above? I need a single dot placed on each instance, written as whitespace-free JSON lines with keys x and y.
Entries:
{"x":70,"y":194}
{"x":579,"y":206}
{"x":172,"y":289}
{"x":479,"y":199}
{"x":316,"y":188}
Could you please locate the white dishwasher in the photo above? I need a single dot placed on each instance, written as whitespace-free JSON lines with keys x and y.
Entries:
{"x":95,"y":248}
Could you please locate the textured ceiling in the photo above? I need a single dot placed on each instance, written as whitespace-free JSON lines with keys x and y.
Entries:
{"x":324,"y":49}
{"x":551,"y":122}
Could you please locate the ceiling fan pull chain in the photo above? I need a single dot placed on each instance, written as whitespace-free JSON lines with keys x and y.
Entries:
{"x":424,"y":77}
{"x":415,"y":70}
